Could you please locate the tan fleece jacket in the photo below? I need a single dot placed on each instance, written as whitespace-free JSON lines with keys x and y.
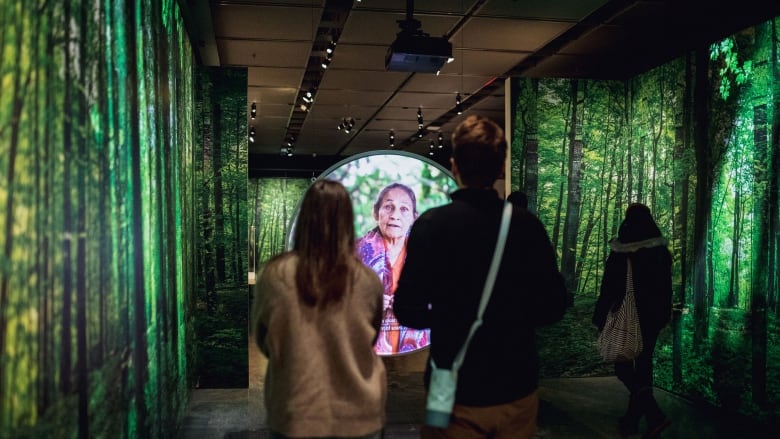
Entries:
{"x":323,"y":377}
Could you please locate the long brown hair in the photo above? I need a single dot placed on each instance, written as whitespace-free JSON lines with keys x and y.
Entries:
{"x":324,"y":242}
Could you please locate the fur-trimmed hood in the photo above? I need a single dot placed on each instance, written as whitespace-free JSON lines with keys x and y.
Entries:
{"x":630,"y":247}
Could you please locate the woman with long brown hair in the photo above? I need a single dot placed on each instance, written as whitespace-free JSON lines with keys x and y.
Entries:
{"x":316,"y":315}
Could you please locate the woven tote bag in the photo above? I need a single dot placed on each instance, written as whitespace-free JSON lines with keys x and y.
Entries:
{"x":621,"y":338}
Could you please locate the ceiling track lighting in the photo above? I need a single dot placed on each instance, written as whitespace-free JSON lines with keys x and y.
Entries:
{"x":431,"y":148}
{"x":252,"y":135}
{"x":440,"y":139}
{"x":458,"y":106}
{"x":419,"y":118}
{"x":253,"y":112}
{"x":346,"y":125}
{"x":392,"y":139}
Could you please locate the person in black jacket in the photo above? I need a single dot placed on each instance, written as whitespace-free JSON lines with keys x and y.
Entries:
{"x":639,"y":240}
{"x":448,"y":256}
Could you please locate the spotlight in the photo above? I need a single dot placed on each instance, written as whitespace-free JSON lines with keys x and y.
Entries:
{"x":326,"y":61}
{"x":458,"y":106}
{"x":440,"y":139}
{"x":347,"y":123}
{"x":290,"y":152}
{"x":291,"y":141}
{"x":331,"y":47}
{"x":252,"y":134}
{"x":253,"y":113}
{"x":392,"y":138}
{"x":430,"y":149}
{"x":419,"y":118}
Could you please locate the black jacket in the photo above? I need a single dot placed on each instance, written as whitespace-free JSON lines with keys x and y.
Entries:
{"x":652,"y":273}
{"x":448,"y":256}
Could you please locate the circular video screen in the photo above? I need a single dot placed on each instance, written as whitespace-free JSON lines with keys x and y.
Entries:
{"x":389,"y":190}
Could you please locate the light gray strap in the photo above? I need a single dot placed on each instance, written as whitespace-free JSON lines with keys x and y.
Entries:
{"x":503,"y":231}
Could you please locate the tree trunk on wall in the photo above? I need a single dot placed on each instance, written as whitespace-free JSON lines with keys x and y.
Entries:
{"x":219,"y":208}
{"x":18,"y":94}
{"x":703,"y":196}
{"x":572,"y":218}
{"x":531,"y":178}
{"x":238,"y":261}
{"x":733,"y":297}
{"x":774,"y":176}
{"x":82,"y":363}
{"x":67,"y":208}
{"x":683,"y":144}
{"x":140,"y":354}
{"x":761,"y":255}
{"x":47,"y":322}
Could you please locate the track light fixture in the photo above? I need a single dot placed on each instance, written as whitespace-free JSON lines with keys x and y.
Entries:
{"x":430,"y":149}
{"x":328,"y":58}
{"x":253,"y":112}
{"x":440,"y":139}
{"x":291,"y":141}
{"x":392,"y":139}
{"x":252,"y":135}
{"x":419,"y":118}
{"x":346,"y":125}
{"x":331,"y":47}
{"x":458,"y":106}
{"x":308,"y":97}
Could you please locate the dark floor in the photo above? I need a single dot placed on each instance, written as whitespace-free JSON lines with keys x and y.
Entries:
{"x":570,"y":408}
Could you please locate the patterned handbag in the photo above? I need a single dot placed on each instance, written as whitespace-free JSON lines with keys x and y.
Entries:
{"x":621,"y":338}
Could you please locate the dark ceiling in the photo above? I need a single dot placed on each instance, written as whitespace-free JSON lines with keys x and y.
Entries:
{"x":282,"y":43}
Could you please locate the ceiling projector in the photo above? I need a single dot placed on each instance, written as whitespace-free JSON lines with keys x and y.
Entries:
{"x":418,"y":52}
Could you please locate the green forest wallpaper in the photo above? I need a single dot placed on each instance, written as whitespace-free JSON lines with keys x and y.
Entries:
{"x":697,"y":140}
{"x":97,"y":218}
{"x":221,"y":305}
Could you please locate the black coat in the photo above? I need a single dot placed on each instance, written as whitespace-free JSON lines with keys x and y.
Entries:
{"x":448,"y":256}
{"x":651,"y":265}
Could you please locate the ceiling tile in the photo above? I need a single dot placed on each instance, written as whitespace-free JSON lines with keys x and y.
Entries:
{"x":267,"y":22}
{"x":381,"y":28}
{"x":348,"y":98}
{"x":362,"y":80}
{"x":267,"y":54}
{"x":275,"y":76}
{"x":504,"y":34}
{"x":571,"y":10}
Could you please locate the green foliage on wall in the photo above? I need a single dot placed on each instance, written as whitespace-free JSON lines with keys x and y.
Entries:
{"x":221,"y":208}
{"x":697,"y":141}
{"x":96,"y":218}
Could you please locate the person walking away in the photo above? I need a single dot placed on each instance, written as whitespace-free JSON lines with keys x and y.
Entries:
{"x":639,"y":241}
{"x":449,"y":251}
{"x":316,"y":315}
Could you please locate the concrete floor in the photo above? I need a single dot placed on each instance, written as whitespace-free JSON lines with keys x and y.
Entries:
{"x":570,"y":408}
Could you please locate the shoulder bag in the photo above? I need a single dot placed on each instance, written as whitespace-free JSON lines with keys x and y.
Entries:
{"x":441,"y":390}
{"x":621,"y":338}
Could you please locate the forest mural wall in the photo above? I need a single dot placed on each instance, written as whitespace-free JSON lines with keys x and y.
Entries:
{"x":272,"y":205}
{"x":697,"y":140}
{"x":221,"y":204}
{"x":97,"y":219}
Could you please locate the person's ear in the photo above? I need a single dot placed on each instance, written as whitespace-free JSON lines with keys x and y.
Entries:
{"x":455,"y":171}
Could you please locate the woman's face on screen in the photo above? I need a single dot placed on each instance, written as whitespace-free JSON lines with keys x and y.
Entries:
{"x":396,"y":214}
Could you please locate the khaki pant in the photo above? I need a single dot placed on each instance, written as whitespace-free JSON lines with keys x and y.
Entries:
{"x":515,"y":420}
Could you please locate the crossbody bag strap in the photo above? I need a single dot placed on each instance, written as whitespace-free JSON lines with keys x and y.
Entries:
{"x":487,"y":290}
